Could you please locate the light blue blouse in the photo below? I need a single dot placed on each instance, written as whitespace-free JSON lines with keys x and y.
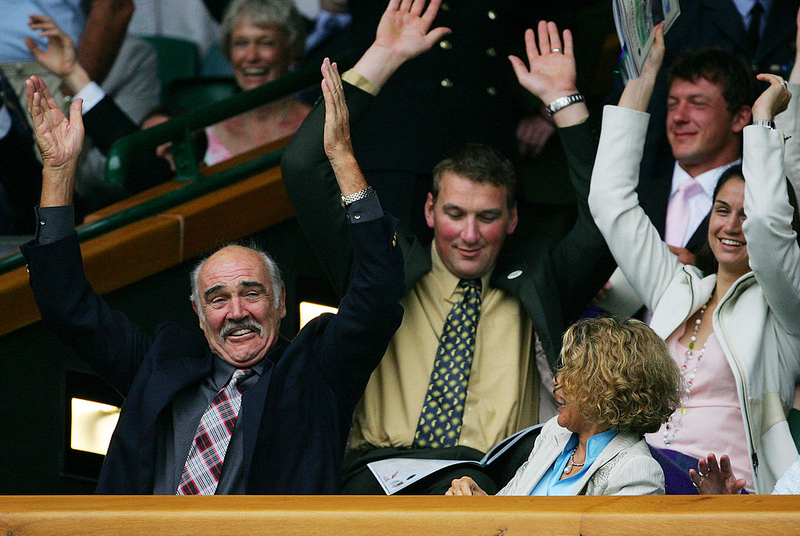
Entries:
{"x":550,"y":484}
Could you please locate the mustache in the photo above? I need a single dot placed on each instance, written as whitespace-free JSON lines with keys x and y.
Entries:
{"x":233,"y":325}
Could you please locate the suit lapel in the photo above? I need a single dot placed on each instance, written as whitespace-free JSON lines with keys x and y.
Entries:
{"x":780,"y":26}
{"x":724,"y":15}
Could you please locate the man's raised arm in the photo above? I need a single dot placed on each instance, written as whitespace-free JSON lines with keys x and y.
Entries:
{"x":60,"y":141}
{"x":402,"y":34}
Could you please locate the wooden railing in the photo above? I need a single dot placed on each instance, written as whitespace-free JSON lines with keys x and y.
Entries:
{"x":147,"y":246}
{"x":408,"y":516}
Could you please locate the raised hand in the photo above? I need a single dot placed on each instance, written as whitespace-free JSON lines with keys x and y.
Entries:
{"x":638,"y":91}
{"x":551,"y":72}
{"x":60,"y":141}
{"x":336,"y":139}
{"x":773,"y":100}
{"x":714,"y":478}
{"x":403,"y":33}
{"x":464,"y":486}
{"x":403,"y":28}
{"x":59,"y":57}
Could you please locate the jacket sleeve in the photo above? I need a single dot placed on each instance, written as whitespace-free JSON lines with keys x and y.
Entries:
{"x":105,"y":124}
{"x":314,"y":192}
{"x":637,"y":475}
{"x":635,"y":243}
{"x":582,"y":261}
{"x":105,"y":338}
{"x":771,"y":242}
{"x":356,"y":338}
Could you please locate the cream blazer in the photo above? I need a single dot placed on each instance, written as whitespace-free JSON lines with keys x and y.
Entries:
{"x":624,"y":467}
{"x":758,"y":321}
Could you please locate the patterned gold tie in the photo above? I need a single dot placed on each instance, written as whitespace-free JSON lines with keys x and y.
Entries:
{"x":443,"y":410}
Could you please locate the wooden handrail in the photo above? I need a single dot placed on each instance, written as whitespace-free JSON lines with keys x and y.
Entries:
{"x":162,"y":241}
{"x":409,"y":516}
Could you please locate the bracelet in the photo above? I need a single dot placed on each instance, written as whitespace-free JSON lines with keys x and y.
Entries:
{"x":563,"y":102}
{"x":361,"y":194}
{"x":765,"y":123}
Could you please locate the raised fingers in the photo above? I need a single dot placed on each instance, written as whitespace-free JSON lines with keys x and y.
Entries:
{"x":555,"y":40}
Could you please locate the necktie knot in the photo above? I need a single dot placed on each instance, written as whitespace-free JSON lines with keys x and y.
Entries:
{"x":240,"y":375}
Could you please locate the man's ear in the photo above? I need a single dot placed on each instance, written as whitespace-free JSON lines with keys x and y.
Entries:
{"x":513,"y":220}
{"x":282,"y":305}
{"x":429,"y":210}
{"x":742,"y":118}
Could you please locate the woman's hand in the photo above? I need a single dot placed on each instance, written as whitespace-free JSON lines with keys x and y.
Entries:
{"x":464,"y":486}
{"x":712,"y":478}
{"x":773,"y":100}
{"x":638,"y":91}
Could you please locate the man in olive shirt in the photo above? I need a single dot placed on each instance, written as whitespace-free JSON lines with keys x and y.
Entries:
{"x":526,"y":299}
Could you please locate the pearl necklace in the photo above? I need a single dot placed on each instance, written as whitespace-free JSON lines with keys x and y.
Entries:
{"x":571,"y":463}
{"x":673,"y":426}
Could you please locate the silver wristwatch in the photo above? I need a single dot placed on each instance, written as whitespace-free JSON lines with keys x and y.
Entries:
{"x":361,"y":194}
{"x":563,"y":102}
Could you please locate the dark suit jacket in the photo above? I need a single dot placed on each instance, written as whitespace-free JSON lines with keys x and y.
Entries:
{"x":296,"y":418}
{"x":654,"y":191}
{"x":703,"y":24}
{"x":106,"y":123}
{"x":554,"y":281}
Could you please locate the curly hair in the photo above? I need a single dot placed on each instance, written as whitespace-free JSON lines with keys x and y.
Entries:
{"x":619,"y":373}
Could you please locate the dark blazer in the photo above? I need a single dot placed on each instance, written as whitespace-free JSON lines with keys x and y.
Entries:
{"x":554,"y":281}
{"x":703,"y":24}
{"x":654,"y":191}
{"x":106,"y":123}
{"x":296,"y":418}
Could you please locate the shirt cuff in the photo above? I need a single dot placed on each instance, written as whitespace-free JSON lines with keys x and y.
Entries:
{"x":91,"y":95}
{"x":361,"y":82}
{"x":365,"y":210}
{"x":54,"y":223}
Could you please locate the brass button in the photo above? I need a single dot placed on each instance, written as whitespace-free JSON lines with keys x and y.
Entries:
{"x":492,"y":15}
{"x":491,"y":52}
{"x":394,"y":239}
{"x":445,"y":45}
{"x":491,"y":91}
{"x":446,"y":82}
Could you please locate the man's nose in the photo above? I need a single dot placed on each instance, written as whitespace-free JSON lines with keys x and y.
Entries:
{"x":470,"y":233}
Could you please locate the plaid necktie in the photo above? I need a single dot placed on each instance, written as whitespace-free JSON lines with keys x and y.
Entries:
{"x":442,"y":412}
{"x":204,"y":464}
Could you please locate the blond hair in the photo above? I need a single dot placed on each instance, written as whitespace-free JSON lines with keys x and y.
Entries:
{"x":619,"y":373}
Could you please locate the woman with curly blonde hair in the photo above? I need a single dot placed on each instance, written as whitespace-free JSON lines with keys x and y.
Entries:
{"x":617,"y":382}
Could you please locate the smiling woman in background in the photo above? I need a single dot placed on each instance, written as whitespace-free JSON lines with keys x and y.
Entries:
{"x":733,"y":329}
{"x":263,"y":39}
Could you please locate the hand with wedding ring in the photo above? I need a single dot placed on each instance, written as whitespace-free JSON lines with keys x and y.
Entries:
{"x":712,"y":478}
{"x":773,"y":100}
{"x":551,"y":72}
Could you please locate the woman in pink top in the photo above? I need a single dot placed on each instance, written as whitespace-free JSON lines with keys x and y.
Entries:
{"x":733,"y":330}
{"x":263,"y":40}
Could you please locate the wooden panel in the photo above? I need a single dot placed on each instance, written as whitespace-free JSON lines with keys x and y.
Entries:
{"x":409,"y":516}
{"x":134,"y":200}
{"x":234,"y":212}
{"x":111,"y":261}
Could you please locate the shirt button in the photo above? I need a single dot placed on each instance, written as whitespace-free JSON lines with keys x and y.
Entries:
{"x":492,"y":15}
{"x":445,"y":45}
{"x":446,"y":82}
{"x":466,"y":441}
{"x":491,"y":52}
